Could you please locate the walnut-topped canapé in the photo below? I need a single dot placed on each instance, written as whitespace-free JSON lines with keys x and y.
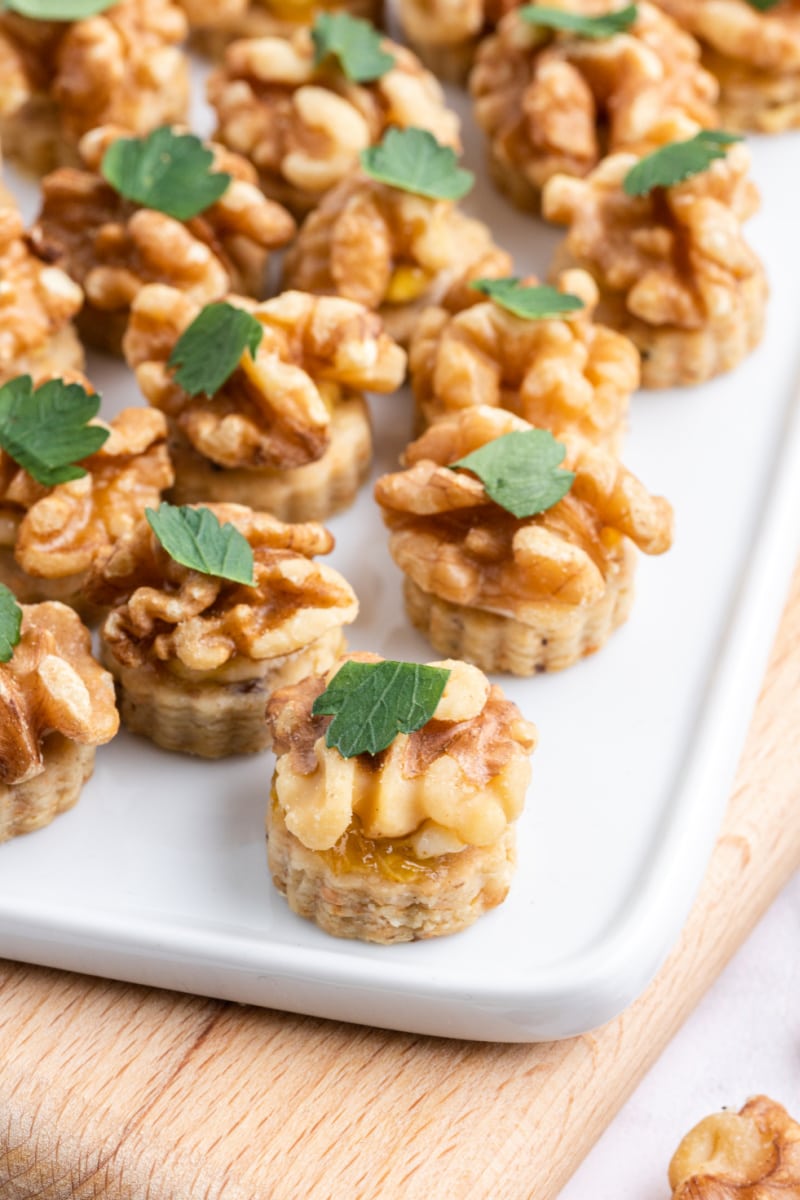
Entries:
{"x":60,"y":79}
{"x":113,"y":246}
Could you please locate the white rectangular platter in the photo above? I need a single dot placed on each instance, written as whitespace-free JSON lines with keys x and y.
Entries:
{"x":159,"y":875}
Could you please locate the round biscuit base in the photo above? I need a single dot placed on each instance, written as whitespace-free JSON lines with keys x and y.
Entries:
{"x":25,"y":807}
{"x":372,"y":908}
{"x":309,"y":493}
{"x":30,"y":589}
{"x":206,"y":717}
{"x":564,"y":635}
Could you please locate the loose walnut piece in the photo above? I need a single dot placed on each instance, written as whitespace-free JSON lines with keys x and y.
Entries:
{"x":276,"y":408}
{"x":750,"y":1155}
{"x":552,"y":103}
{"x":51,"y":685}
{"x":567,"y":375}
{"x":60,"y":79}
{"x":393,"y":252}
{"x":37,"y":304}
{"x":59,"y":533}
{"x":166,"y":613}
{"x":673,"y":269}
{"x":304,"y":126}
{"x":112,"y":247}
{"x":445,"y":33}
{"x":455,"y":542}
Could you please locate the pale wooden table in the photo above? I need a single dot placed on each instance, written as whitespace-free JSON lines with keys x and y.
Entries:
{"x":120,"y":1092}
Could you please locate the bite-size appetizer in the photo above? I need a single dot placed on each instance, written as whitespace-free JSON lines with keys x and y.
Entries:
{"x":556,"y":90}
{"x":302,"y":109}
{"x":121,"y":64}
{"x":70,"y":484}
{"x":750,"y":1155}
{"x":215,"y":22}
{"x":395,"y":822}
{"x":265,"y":402}
{"x":166,"y":208}
{"x":392,"y":237}
{"x":534,"y":351}
{"x":446,"y":33}
{"x":753,"y":48}
{"x":662,"y":236}
{"x":511,"y":561}
{"x":56,"y":706}
{"x":37,"y":304}
{"x":212,"y":609}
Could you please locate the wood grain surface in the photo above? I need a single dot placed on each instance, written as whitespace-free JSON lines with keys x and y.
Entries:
{"x":124,"y":1093}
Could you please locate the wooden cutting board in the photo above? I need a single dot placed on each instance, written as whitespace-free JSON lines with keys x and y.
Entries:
{"x":125,"y":1093}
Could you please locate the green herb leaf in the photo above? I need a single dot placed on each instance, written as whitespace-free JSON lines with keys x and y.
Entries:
{"x":531,"y":303}
{"x":413,"y":160}
{"x":763,"y":5}
{"x":168,"y":171}
{"x":194,"y":538}
{"x":678,"y":161}
{"x":210,"y":349}
{"x":521,"y":471}
{"x":10,"y":623}
{"x":47,"y":432}
{"x":590,"y":27}
{"x":355,"y":43}
{"x":57,"y":10}
{"x":372,"y":702}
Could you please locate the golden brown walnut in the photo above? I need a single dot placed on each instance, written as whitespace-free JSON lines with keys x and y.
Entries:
{"x":445,"y":33}
{"x":568,"y":375}
{"x":55,"y":535}
{"x":755,"y":56}
{"x":217,"y":21}
{"x":60,"y":79}
{"x":750,"y":1155}
{"x":303,"y":126}
{"x":51,"y":685}
{"x":393,"y":252}
{"x":167,"y":613}
{"x":554,"y":103}
{"x":112,"y":247}
{"x":37,"y":304}
{"x":673,"y":269}
{"x":276,"y":408}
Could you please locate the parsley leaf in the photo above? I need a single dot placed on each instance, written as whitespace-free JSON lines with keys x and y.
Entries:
{"x":590,"y":27}
{"x":46,"y":432}
{"x":678,"y":161}
{"x":531,"y":303}
{"x":194,"y":538}
{"x":521,"y":471}
{"x":10,"y":623}
{"x":372,"y":702}
{"x":167,"y":171}
{"x":355,"y":43}
{"x":763,"y":5}
{"x":210,"y":349}
{"x":57,"y":10}
{"x":413,"y":160}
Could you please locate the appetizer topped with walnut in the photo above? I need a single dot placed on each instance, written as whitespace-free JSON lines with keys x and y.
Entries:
{"x":534,"y":351}
{"x":394,"y":798}
{"x":215,"y":22}
{"x":166,"y":208}
{"x":753,"y":48}
{"x":662,"y":236}
{"x":513,"y":562}
{"x":302,"y":110}
{"x":750,"y":1155}
{"x":56,"y":706}
{"x":120,"y":64}
{"x":555,"y":90}
{"x":265,"y":401}
{"x":212,"y":609}
{"x":37,"y":305}
{"x":445,"y":33}
{"x":70,"y":484}
{"x":392,"y":238}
